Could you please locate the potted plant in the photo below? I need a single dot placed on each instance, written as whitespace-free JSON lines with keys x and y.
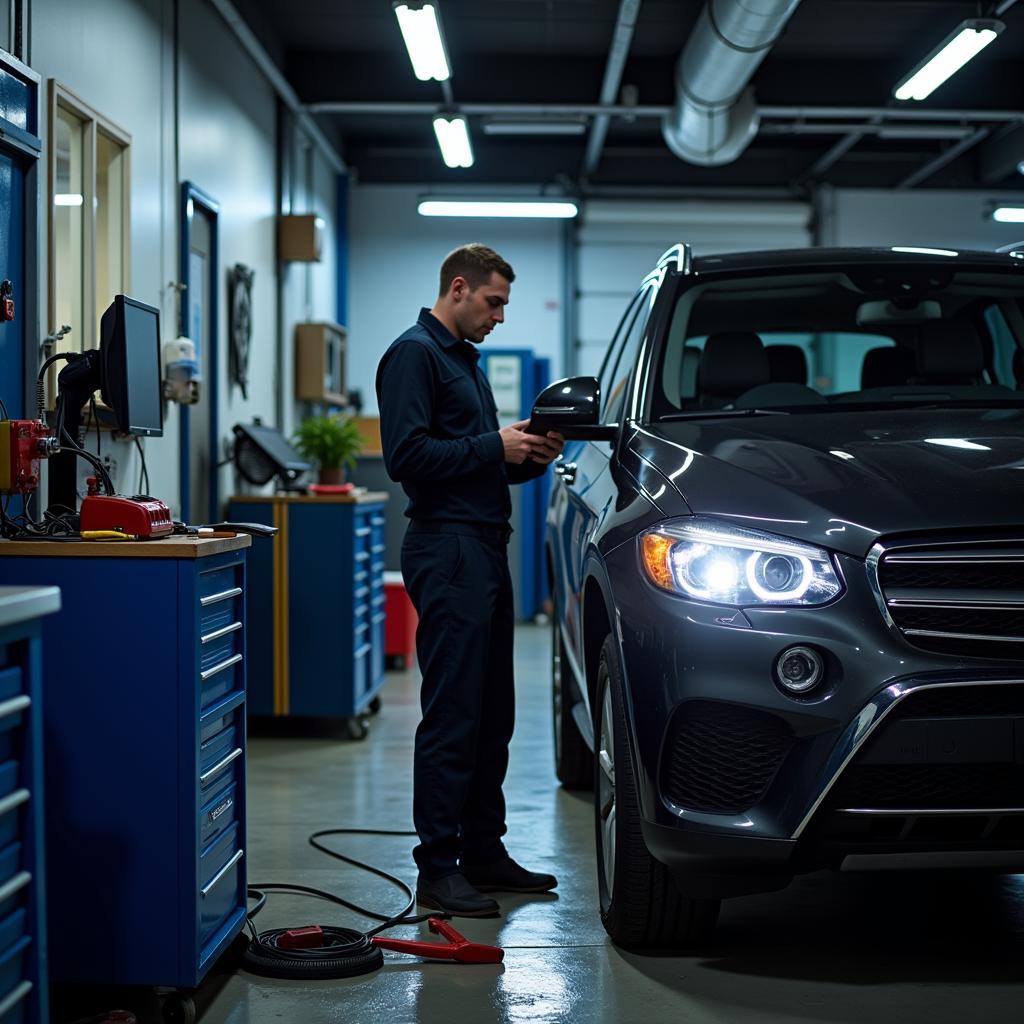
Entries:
{"x":331,"y":442}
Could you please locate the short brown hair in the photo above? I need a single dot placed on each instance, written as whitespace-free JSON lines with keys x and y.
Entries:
{"x":474,"y":262}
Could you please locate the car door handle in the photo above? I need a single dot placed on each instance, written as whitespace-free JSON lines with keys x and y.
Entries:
{"x":567,"y":471}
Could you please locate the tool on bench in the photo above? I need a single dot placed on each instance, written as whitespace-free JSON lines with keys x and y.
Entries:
{"x":457,"y":947}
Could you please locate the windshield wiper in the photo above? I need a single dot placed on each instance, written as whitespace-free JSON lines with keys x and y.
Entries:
{"x":705,"y":414}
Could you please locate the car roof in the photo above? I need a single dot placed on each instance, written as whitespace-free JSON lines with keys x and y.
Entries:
{"x":823,"y":259}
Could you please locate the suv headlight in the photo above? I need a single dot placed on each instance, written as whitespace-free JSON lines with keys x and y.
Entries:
{"x":712,"y":561}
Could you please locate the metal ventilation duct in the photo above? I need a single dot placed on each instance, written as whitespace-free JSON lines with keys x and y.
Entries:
{"x":715,"y":116}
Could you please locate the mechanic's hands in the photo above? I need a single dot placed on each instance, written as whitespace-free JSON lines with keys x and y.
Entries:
{"x":520,"y":446}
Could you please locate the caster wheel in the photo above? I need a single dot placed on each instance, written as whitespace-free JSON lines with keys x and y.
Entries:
{"x":179,"y":1009}
{"x":357,"y":728}
{"x":375,"y":706}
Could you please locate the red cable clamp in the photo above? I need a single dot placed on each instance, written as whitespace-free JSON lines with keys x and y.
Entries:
{"x":457,"y":947}
{"x":301,"y":938}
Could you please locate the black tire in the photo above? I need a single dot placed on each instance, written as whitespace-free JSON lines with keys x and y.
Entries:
{"x":574,"y":763}
{"x":179,"y":1009}
{"x":640,"y":905}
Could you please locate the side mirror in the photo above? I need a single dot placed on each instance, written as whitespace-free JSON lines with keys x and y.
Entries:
{"x":571,"y":406}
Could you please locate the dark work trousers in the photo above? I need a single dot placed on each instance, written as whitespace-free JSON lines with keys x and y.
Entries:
{"x":462,"y":592}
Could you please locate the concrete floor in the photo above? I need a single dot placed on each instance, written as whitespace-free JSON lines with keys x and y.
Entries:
{"x":828,"y":949}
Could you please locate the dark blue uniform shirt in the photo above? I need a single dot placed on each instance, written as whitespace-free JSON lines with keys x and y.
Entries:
{"x":439,"y":429}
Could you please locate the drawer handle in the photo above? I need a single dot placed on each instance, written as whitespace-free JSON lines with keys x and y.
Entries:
{"x":222,"y":707}
{"x":15,"y":997}
{"x":363,"y":531}
{"x":363,"y":556}
{"x":210,"y":885}
{"x":14,"y":705}
{"x":16,"y":799}
{"x":361,"y":593}
{"x":378,"y":619}
{"x":219,"y":766}
{"x":224,"y":595}
{"x":218,"y":633}
{"x":226,"y":663}
{"x":365,"y":649}
{"x":377,"y":521}
{"x":16,"y":884}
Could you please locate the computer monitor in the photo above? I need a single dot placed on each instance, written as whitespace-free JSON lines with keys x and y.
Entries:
{"x":130,"y":356}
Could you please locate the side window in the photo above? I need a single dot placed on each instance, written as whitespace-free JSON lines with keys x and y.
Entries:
{"x":612,"y":355}
{"x":614,"y":399}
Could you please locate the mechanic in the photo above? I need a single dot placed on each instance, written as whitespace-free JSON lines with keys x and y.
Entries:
{"x":442,"y":442}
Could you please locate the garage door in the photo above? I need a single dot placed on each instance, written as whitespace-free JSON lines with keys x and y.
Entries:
{"x":618,"y":242}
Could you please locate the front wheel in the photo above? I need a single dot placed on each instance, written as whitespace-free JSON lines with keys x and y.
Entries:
{"x":640,"y":905}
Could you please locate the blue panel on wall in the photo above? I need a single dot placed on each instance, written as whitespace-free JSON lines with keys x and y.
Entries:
{"x":15,"y":102}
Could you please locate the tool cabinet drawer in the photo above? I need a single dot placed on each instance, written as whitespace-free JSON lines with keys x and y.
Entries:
{"x":223,"y":765}
{"x":220,"y":673}
{"x":220,"y":874}
{"x":220,"y":812}
{"x":14,"y":893}
{"x":10,"y":861}
{"x":12,"y":808}
{"x":12,"y":929}
{"x":12,"y":717}
{"x":215,"y":583}
{"x":9,"y":771}
{"x":12,"y":977}
{"x":11,"y":682}
{"x":219,"y":616}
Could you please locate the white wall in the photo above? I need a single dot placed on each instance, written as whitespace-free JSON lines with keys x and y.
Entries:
{"x":228,"y":125}
{"x":940,"y":219}
{"x":395,"y":257}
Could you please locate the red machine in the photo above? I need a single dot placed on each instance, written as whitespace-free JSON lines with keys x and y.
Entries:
{"x":138,"y":517}
{"x":22,"y":445}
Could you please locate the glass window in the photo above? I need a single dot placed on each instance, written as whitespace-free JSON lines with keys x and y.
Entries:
{"x":611,"y":355}
{"x":625,"y":358}
{"x":67,"y":264}
{"x":89,"y":224}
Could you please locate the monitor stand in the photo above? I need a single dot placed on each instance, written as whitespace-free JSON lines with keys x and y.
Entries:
{"x":76,"y":384}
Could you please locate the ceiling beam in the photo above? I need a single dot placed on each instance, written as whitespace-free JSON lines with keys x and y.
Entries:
{"x":944,"y":158}
{"x":1000,"y":155}
{"x":622,"y":37}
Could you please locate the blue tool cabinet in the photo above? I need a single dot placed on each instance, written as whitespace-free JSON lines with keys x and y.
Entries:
{"x":316,"y":646}
{"x":145,"y":755}
{"x":23,"y":976}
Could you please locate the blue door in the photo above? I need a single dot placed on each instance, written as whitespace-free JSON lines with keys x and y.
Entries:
{"x":12,"y":268}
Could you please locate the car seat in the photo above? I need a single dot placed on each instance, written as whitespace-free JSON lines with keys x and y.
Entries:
{"x":787,"y":364}
{"x":886,"y":367}
{"x":949,"y":352}
{"x":732,"y":362}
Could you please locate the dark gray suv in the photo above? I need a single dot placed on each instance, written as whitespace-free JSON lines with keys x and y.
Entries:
{"x":786,"y":548}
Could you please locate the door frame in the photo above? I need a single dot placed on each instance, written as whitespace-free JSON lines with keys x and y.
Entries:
{"x":23,"y":143}
{"x":193,"y":197}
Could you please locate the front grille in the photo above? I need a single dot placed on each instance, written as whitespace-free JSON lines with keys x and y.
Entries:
{"x":930,"y":786}
{"x":962,"y":701}
{"x":963,"y":599}
{"x":722,"y":757}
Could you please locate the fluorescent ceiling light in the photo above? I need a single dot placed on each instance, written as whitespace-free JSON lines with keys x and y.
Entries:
{"x":924,"y":252}
{"x":67,"y":199}
{"x":453,"y":138}
{"x":421,"y":29}
{"x":958,"y":442}
{"x":547,"y":208}
{"x":534,"y":126}
{"x":967,"y":40}
{"x":1009,"y":214}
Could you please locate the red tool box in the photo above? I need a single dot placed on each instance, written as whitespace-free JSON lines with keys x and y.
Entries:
{"x":400,"y":624}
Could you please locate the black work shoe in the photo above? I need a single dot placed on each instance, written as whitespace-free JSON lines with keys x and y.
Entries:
{"x":454,"y":895}
{"x":507,"y":876}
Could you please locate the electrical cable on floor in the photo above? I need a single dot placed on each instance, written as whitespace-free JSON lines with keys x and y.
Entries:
{"x":345,"y":952}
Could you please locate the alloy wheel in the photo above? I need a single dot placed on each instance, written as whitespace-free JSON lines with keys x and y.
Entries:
{"x":606,"y":789}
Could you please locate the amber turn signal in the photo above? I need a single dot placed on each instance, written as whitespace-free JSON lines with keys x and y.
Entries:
{"x":656,"y":552}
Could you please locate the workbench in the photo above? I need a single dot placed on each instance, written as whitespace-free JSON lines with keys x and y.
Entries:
{"x":144,"y":738}
{"x":316,"y":647}
{"x":23,"y":976}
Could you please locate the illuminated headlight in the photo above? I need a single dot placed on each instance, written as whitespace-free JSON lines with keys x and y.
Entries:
{"x":712,"y":561}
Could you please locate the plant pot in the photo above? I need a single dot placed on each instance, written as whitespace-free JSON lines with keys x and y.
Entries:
{"x":332,"y":476}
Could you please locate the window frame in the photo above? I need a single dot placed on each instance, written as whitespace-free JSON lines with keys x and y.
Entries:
{"x":94,"y":123}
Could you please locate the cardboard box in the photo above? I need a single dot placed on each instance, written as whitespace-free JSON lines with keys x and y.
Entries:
{"x":300,"y":237}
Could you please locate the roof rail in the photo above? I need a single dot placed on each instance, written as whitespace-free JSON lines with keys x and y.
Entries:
{"x":1012,"y":247}
{"x":681,"y":254}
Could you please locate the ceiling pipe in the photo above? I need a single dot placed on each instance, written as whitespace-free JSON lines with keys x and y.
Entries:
{"x":715,"y":117}
{"x":622,"y":37}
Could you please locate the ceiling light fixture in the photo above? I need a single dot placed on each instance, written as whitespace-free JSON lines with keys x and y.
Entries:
{"x":453,"y":138}
{"x":536,"y":126}
{"x":1009,"y":214}
{"x":421,"y":29}
{"x":545,"y":208}
{"x":967,"y":40}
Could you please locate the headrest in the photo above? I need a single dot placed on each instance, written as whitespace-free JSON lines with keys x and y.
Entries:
{"x":733,"y":362}
{"x":787,"y":364}
{"x":688,"y":371}
{"x":949,"y":352}
{"x":887,"y":367}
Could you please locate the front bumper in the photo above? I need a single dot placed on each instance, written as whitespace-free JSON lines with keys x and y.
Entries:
{"x":751,"y":806}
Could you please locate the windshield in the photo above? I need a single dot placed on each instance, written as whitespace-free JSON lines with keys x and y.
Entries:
{"x":889,"y":335}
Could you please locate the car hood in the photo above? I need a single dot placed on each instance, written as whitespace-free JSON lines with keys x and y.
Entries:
{"x":844,"y":479}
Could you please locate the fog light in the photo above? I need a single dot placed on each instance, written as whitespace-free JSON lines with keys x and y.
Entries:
{"x":799,"y":669}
